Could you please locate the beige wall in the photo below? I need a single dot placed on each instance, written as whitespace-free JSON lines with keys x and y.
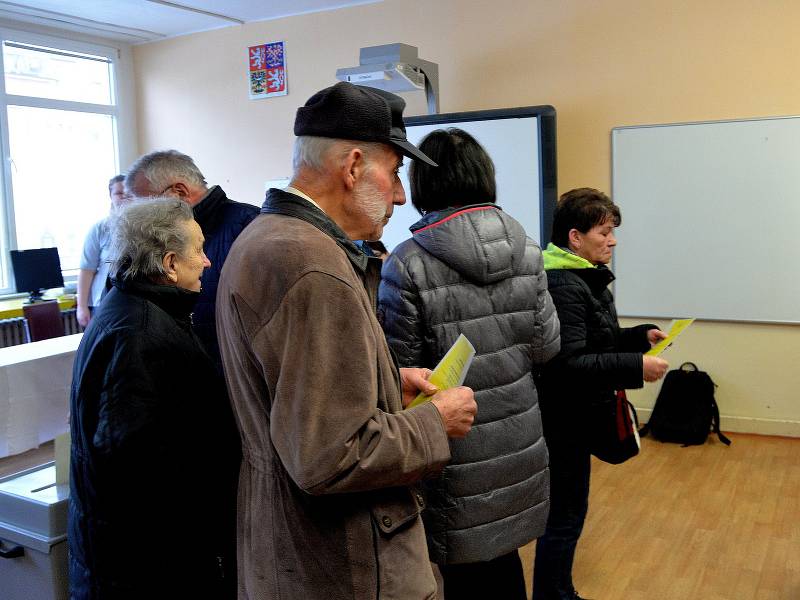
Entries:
{"x":601,"y":63}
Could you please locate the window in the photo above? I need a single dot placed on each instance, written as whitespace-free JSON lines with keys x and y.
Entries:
{"x":58,"y":127}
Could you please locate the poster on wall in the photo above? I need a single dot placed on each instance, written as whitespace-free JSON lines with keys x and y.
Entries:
{"x":267,"y":73}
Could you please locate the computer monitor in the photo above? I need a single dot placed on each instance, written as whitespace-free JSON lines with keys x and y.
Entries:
{"x":36,"y":270}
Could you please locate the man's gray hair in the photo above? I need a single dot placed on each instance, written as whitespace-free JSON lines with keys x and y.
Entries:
{"x":317,"y":153}
{"x":162,"y":169}
{"x":143,"y":232}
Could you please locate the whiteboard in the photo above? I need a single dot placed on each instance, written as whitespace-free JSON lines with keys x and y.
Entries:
{"x":710,"y":220}
{"x":521,"y":143}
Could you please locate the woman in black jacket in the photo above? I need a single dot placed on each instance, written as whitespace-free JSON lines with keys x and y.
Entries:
{"x":597,"y":358}
{"x":153,"y":467}
{"x":469,"y":268}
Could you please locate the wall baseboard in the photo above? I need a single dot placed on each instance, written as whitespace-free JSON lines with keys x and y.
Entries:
{"x":744,"y":424}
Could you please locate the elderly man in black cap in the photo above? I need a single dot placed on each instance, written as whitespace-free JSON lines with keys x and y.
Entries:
{"x":327,"y":507}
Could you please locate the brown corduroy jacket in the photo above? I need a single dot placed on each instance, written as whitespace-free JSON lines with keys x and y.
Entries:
{"x":325,"y":504}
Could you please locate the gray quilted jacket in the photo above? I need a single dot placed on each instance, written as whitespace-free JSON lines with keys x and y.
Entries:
{"x":473,"y":270}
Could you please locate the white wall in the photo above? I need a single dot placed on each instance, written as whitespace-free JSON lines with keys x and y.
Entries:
{"x":601,"y":64}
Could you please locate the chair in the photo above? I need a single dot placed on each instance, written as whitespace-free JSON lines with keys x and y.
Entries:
{"x":43,"y":320}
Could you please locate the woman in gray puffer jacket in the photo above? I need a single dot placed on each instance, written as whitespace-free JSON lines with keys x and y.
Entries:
{"x":469,"y":268}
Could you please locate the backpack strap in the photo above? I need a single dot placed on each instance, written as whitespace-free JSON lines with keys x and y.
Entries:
{"x":715,"y":423}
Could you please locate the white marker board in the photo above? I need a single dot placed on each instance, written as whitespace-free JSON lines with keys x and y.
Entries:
{"x":710,"y":220}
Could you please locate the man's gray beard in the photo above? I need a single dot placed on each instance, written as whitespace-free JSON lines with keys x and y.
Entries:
{"x":368,"y":201}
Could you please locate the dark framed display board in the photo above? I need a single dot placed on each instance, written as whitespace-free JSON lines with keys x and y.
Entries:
{"x":522,"y":144}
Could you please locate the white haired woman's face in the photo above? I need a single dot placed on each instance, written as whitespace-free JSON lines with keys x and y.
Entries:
{"x":186,"y":268}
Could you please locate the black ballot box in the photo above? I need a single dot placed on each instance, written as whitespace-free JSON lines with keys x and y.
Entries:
{"x":33,"y":535}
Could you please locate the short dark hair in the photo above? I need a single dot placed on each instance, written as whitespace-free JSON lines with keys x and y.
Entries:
{"x":582,"y":209}
{"x":465,"y":174}
{"x":115,"y":179}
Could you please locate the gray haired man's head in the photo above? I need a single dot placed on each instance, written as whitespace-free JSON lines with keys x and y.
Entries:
{"x":166,"y":173}
{"x":346,"y":116}
{"x":143,"y":232}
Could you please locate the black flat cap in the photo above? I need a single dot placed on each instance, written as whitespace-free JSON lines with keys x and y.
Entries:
{"x":354,"y":112}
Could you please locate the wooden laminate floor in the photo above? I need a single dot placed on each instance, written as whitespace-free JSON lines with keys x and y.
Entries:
{"x":701,"y":523}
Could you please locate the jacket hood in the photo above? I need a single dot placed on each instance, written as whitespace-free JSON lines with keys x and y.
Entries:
{"x":479,"y":241}
{"x":556,"y":257}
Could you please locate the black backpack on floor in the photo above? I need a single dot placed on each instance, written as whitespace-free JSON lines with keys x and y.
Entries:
{"x":685,"y":410}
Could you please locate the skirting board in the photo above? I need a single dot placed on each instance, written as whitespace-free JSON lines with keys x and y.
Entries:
{"x":745,"y":424}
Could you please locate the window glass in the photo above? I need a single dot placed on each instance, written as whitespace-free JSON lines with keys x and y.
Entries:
{"x":61,"y":162}
{"x":57,"y":75}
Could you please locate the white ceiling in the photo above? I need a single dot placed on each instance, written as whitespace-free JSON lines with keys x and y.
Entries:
{"x":140,"y":21}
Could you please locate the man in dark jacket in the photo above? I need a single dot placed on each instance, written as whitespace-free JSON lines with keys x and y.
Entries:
{"x":150,"y":463}
{"x":171,"y":173}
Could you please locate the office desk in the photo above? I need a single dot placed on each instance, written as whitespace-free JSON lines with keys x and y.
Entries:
{"x":13,"y":307}
{"x":35,"y":381}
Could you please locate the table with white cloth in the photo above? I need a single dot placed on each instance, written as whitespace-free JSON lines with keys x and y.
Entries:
{"x":35,"y":381}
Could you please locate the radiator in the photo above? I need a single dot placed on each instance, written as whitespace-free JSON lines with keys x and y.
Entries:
{"x":70,"y":319}
{"x":12,"y":332}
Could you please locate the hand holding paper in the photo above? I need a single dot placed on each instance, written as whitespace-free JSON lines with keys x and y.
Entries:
{"x":676,"y":328}
{"x":456,"y":404}
{"x":655,"y":335}
{"x":653,"y":368}
{"x":451,"y":370}
{"x":415,"y":381}
{"x":457,"y":408}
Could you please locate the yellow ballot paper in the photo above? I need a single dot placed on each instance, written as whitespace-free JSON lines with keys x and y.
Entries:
{"x":675,"y":329}
{"x":62,"y":450}
{"x":451,"y":370}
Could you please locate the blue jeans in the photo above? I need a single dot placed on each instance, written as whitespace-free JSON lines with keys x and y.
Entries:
{"x":570,"y":469}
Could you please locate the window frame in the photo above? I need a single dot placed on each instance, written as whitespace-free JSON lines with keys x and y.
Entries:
{"x":119,"y":110}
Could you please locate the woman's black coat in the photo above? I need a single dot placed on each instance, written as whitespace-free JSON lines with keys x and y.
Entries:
{"x":597,"y":356}
{"x":153,"y":461}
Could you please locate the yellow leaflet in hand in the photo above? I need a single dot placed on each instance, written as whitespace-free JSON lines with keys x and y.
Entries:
{"x":676,"y":328}
{"x":451,"y":370}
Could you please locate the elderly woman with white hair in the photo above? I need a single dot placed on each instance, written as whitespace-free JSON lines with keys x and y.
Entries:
{"x":152,"y":466}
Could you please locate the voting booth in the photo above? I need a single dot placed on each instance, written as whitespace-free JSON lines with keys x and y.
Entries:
{"x":35,"y":382}
{"x":33,"y":535}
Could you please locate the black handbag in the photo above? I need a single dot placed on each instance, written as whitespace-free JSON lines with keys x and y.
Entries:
{"x":613,"y":430}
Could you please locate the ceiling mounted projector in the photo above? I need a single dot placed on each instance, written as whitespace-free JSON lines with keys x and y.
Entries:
{"x":395,"y":68}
